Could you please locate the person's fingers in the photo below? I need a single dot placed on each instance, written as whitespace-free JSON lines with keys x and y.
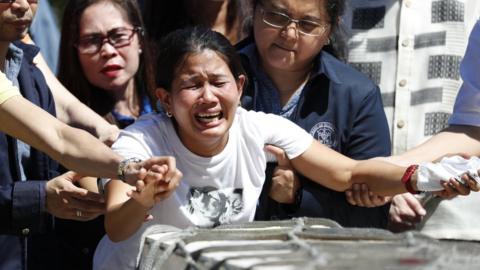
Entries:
{"x":172,"y":169}
{"x":142,"y":173}
{"x":172,"y":185}
{"x":381,"y":200}
{"x":374,"y":200}
{"x":365,"y":196}
{"x":72,"y":176}
{"x":175,"y":178}
{"x":148,"y":163}
{"x":473,"y":185}
{"x":140,"y":185}
{"x":356,"y":189}
{"x":83,"y":194}
{"x":459,"y":187}
{"x":155,"y":176}
{"x":403,"y":209}
{"x":69,"y":189}
{"x":450,"y":189}
{"x":134,"y":195}
{"x":414,"y":204}
{"x":281,"y":156}
{"x":158,"y":168}
{"x":162,"y":195}
{"x":447,"y":190}
{"x":349,"y":197}
{"x":470,"y":182}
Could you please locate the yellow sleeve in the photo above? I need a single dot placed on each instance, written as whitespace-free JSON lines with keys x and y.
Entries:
{"x":7,"y":90}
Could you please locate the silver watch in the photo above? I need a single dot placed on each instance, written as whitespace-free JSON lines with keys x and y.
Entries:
{"x":122,"y":167}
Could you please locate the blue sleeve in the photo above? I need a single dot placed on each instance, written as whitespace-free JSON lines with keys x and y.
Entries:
{"x":22,"y":206}
{"x":370,"y":135}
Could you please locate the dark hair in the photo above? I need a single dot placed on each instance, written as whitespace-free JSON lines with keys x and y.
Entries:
{"x":176,"y":46}
{"x":164,"y":16}
{"x":335,"y":9}
{"x":70,"y":70}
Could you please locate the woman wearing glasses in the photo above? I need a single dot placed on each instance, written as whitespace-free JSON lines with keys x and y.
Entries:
{"x":104,"y":63}
{"x":103,"y":60}
{"x":292,"y":74}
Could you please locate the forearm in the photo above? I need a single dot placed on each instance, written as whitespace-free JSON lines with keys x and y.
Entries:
{"x":325,"y":166}
{"x":87,"y":155}
{"x":451,"y":141}
{"x":338,"y":172}
{"x":382,"y":178}
{"x":124,"y":215}
{"x":89,"y":183}
{"x":69,"y":109}
{"x":73,"y":148}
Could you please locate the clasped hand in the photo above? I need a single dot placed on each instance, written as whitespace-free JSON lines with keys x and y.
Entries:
{"x":65,"y":200}
{"x":158,"y":183}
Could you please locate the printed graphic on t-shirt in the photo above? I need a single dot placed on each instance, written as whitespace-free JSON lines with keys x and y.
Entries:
{"x":209,"y":206}
{"x":325,"y":133}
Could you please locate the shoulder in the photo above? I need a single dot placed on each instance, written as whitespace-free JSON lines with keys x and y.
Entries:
{"x":146,"y":133}
{"x":147,"y":122}
{"x":346,"y":81}
{"x":257,"y":122}
{"x":346,"y":74}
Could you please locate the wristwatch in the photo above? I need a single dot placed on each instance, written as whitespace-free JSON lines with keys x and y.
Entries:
{"x":122,"y":167}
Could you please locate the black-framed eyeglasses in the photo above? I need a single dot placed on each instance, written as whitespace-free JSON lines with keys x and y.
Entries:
{"x":117,"y":37}
{"x":12,"y":1}
{"x":280,"y":20}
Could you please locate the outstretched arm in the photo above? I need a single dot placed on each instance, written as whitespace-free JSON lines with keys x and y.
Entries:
{"x":73,"y":112}
{"x":339,"y":172}
{"x":127,"y":207}
{"x":453,"y":140}
{"x":74,"y":148}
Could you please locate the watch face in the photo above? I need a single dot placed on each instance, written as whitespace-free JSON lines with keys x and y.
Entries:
{"x":122,"y":167}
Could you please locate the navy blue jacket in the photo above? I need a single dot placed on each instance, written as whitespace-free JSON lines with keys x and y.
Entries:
{"x":24,"y":225}
{"x":343,"y":109}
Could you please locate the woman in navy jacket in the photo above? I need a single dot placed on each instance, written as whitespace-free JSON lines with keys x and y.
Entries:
{"x":292,"y":74}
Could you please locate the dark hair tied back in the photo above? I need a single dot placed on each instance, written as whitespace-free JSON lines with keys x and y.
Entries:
{"x":177,"y":45}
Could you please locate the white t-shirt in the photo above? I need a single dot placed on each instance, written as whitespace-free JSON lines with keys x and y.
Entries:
{"x":214,"y":190}
{"x":7,"y":90}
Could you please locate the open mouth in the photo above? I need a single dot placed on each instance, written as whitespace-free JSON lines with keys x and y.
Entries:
{"x":209,"y":117}
{"x":111,"y":70}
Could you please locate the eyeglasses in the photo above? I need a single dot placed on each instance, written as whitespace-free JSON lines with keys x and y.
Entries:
{"x":280,"y":20}
{"x":12,"y":1}
{"x":117,"y":37}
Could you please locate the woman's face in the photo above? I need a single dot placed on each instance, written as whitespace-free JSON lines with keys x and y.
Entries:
{"x":203,"y":100}
{"x":110,"y":68}
{"x":285,"y":48}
